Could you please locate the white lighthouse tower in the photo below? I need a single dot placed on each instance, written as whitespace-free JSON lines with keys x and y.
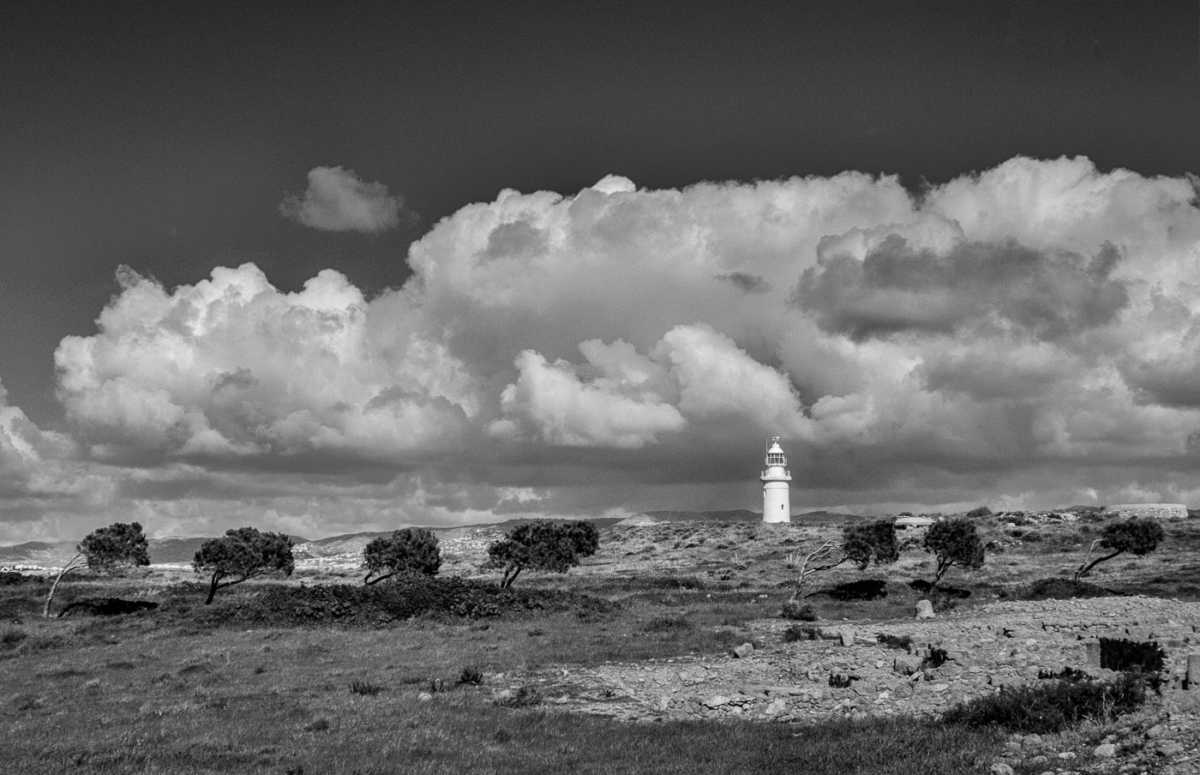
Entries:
{"x":777,"y":505}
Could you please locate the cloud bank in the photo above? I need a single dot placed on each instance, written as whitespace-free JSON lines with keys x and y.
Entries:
{"x":337,"y":200}
{"x":1026,"y":335}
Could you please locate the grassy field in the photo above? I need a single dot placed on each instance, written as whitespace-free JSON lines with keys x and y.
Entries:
{"x":187,"y":689}
{"x":157,"y":693}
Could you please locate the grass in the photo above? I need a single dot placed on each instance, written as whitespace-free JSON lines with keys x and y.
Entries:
{"x":140,"y":694}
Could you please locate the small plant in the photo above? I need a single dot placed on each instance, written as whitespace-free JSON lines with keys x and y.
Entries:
{"x":898,"y":642}
{"x":470,"y":676}
{"x":436,"y":685}
{"x":840,"y":681}
{"x":364,"y":688}
{"x":1066,"y":674}
{"x":935,"y":658}
{"x":795,"y":632}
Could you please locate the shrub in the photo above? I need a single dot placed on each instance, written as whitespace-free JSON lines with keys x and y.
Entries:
{"x":1061,"y":589}
{"x":979,"y":513}
{"x":1052,"y":705}
{"x":899,"y":642}
{"x":953,"y":542}
{"x":840,"y":681}
{"x":796,"y":611}
{"x":863,"y":589}
{"x":471,"y":676}
{"x":411,"y":550}
{"x":795,"y":632}
{"x":364,"y":688}
{"x":1136,"y":536}
{"x":1066,"y":674}
{"x":408,"y":596}
{"x":935,"y":658}
{"x":241,"y":554}
{"x":1131,"y":656}
{"x":552,"y":545}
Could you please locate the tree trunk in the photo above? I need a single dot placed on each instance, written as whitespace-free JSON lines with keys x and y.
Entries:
{"x":70,"y":566}
{"x":509,"y":579}
{"x":942,"y":567}
{"x":212,"y":588}
{"x":1084,"y":569}
{"x":369,"y":581}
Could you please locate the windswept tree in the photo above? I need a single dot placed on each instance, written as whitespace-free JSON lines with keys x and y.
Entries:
{"x":861,"y":544}
{"x":242,"y":554}
{"x":544,"y":545}
{"x":105,"y":550}
{"x":411,"y":550}
{"x":953,"y":542}
{"x":1136,"y":536}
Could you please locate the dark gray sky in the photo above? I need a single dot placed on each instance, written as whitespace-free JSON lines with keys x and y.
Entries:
{"x":166,"y":136}
{"x":162,"y":135}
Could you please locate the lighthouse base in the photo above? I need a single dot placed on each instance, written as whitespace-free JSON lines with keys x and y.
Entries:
{"x":776,"y":503}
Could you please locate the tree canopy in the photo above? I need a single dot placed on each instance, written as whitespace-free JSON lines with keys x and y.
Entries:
{"x":411,"y":550}
{"x":954,"y":542}
{"x":554,"y":546}
{"x":1137,"y":536}
{"x":241,"y":554}
{"x":105,"y":550}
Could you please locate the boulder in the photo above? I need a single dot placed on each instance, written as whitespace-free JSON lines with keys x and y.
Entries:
{"x":1105,"y":751}
{"x":743,"y":651}
{"x":924,"y":609}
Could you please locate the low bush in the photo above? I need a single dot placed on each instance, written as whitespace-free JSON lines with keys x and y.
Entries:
{"x":10,"y":578}
{"x":1066,"y":674}
{"x":796,"y":632}
{"x":899,"y":642}
{"x":404,"y":598}
{"x":470,"y":676}
{"x":1062,"y":589}
{"x":1052,"y":705}
{"x":935,"y":658}
{"x":841,"y":681}
{"x":364,"y":688}
{"x":1130,"y":656}
{"x":863,"y":589}
{"x":798,"y":612}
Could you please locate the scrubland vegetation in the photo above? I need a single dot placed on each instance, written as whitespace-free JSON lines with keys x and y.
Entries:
{"x":319,"y":673}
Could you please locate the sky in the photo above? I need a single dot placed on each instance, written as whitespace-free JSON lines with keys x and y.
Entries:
{"x":344,"y":269}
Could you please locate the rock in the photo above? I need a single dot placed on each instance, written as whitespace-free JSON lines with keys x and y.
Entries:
{"x":716,"y":701}
{"x":847,"y":636}
{"x":924,"y":609}
{"x":775,"y":708}
{"x":1067,"y":755}
{"x":424,"y":697}
{"x":1001,"y":768}
{"x":743,"y":651}
{"x":1105,"y":751}
{"x":1156,"y":731}
{"x":1170,"y":748}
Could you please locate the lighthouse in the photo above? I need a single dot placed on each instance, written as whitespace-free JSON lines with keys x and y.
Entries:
{"x":777,"y":506}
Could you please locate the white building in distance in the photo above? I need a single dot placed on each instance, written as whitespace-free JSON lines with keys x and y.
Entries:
{"x":777,"y":504}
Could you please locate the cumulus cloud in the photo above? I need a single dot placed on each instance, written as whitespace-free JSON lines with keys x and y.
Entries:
{"x":1025,"y":334}
{"x":337,"y":200}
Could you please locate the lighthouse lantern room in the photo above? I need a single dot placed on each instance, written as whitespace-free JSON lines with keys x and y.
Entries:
{"x":777,"y":505}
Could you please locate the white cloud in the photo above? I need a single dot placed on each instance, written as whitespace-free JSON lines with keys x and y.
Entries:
{"x":337,"y":200}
